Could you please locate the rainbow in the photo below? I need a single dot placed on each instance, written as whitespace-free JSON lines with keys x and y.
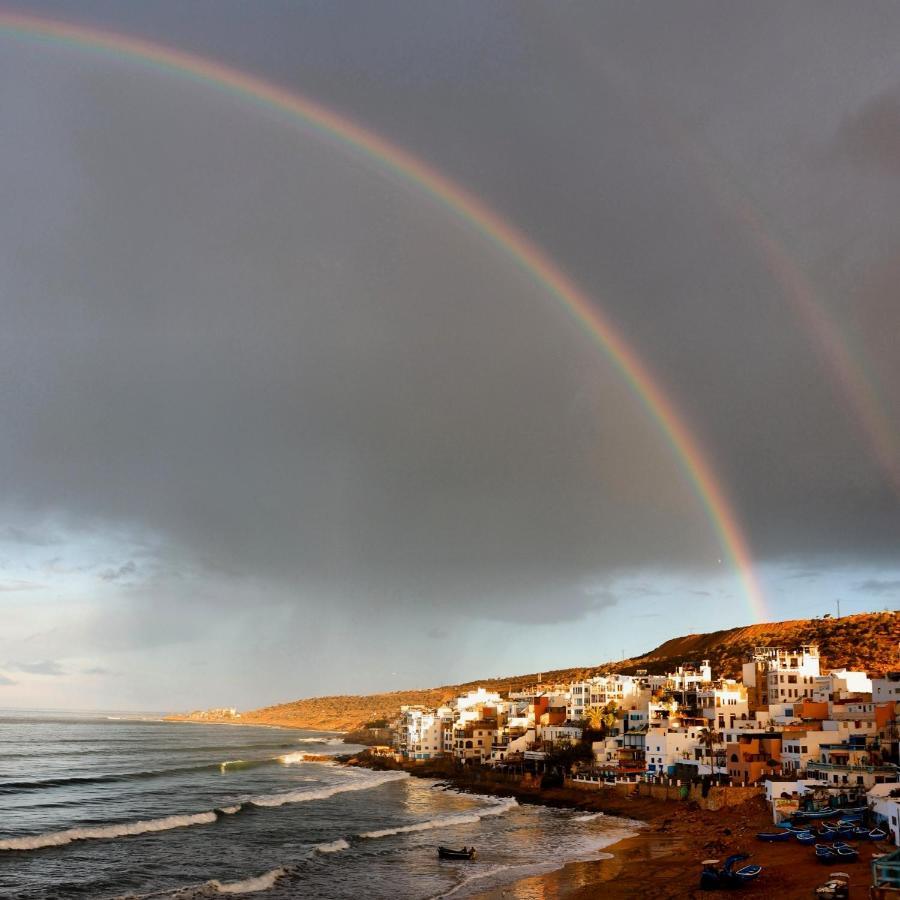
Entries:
{"x":503,"y":235}
{"x":847,"y":369}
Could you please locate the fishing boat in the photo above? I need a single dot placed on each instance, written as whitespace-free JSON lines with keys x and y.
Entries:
{"x":805,"y":837}
{"x":772,"y":836}
{"x":836,"y":888}
{"x":877,"y":834}
{"x":825,"y":854}
{"x":450,"y":853}
{"x":845,"y":851}
{"x":816,"y":813}
{"x":712,"y":878}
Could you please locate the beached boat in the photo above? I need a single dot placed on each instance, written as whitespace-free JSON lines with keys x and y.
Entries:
{"x":805,"y":837}
{"x":836,"y":888}
{"x":712,"y":879}
{"x":877,"y":834}
{"x":772,"y":836}
{"x":450,"y":853}
{"x":825,"y":854}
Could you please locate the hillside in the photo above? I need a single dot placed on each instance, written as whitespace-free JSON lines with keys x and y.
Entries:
{"x":868,"y":641}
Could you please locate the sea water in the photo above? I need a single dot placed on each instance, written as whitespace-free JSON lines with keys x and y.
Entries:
{"x":103,"y":806}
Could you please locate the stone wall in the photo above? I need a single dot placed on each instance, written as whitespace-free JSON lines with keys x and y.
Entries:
{"x":717,"y":797}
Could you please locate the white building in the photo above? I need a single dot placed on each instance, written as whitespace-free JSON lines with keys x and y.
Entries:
{"x":599,"y":691}
{"x":799,"y":748}
{"x":840,"y":685}
{"x":886,"y":689}
{"x":664,"y":748}
{"x":792,"y":674}
{"x":724,"y":703}
{"x":886,"y":809}
{"x":420,"y":731}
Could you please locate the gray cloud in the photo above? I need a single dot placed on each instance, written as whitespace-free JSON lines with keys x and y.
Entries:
{"x":870,"y":136}
{"x":44,"y":667}
{"x":4,"y":680}
{"x":126,"y":570}
{"x":879,"y":587}
{"x":312,"y":393}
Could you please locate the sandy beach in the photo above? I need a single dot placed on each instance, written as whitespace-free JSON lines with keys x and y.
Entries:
{"x":663,"y":861}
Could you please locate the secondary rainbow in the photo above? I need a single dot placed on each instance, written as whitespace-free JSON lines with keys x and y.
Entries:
{"x":492,"y":226}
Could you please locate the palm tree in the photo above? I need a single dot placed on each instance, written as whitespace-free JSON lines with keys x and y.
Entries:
{"x":602,"y":718}
{"x":709,"y":738}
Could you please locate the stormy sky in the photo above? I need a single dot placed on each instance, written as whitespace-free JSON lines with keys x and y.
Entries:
{"x":277,"y":423}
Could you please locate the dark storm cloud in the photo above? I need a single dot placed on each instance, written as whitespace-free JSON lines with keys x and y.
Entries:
{"x":300,"y":382}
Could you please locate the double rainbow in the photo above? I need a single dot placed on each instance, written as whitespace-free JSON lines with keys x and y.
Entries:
{"x":503,"y":235}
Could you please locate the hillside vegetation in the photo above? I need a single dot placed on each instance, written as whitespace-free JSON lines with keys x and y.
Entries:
{"x":867,"y":642}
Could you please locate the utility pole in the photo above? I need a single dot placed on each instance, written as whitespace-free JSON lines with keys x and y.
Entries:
{"x":838,"y":607}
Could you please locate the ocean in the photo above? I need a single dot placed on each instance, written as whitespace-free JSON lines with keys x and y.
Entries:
{"x":115,"y":806}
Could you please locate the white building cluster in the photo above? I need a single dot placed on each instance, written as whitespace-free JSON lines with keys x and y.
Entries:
{"x":785,"y":722}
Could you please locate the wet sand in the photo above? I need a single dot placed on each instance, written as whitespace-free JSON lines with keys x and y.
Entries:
{"x":663,"y":862}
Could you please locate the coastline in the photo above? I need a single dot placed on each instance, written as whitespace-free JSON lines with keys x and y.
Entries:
{"x":662,"y":859}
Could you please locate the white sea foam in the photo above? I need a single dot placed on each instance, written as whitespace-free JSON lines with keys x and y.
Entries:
{"x":468,"y":818}
{"x":361,"y":784}
{"x":230,"y":810}
{"x":589,"y":818}
{"x":262,"y":882}
{"x":288,"y":759}
{"x":319,"y":740}
{"x":123,"y":829}
{"x":333,"y":847}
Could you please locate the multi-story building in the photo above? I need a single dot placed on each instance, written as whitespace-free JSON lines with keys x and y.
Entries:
{"x":792,"y":674}
{"x":723,"y":703}
{"x":841,"y":684}
{"x":887,"y":688}
{"x":753,"y":757}
{"x":420,"y":731}
{"x":799,"y":747}
{"x":600,"y":691}
{"x":474,"y":739}
{"x":665,"y":748}
{"x":855,"y":762}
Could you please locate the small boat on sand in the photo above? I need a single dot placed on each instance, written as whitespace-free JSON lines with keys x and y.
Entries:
{"x":450,"y":853}
{"x":836,"y":888}
{"x":772,"y":836}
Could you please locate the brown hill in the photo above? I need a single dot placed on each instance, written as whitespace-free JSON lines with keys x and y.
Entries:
{"x":868,"y":642}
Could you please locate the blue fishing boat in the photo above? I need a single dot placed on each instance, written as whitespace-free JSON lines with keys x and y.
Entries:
{"x":713,"y":878}
{"x":772,"y":836}
{"x":877,"y":834}
{"x":805,"y":837}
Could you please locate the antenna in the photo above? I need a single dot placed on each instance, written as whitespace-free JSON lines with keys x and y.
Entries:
{"x":838,"y":607}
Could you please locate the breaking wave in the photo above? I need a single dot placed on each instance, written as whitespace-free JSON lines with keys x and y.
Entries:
{"x":262,"y":882}
{"x":127,"y":829}
{"x":101,"y":832}
{"x":333,"y":847}
{"x":469,"y":818}
{"x":589,"y":818}
{"x":269,"y":800}
{"x":319,"y":740}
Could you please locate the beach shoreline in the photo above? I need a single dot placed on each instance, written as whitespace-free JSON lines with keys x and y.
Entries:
{"x":662,"y":858}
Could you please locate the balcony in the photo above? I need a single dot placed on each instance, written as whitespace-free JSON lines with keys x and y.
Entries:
{"x":838,"y":767}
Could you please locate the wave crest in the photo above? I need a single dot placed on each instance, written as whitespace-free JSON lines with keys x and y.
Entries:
{"x":469,"y":818}
{"x":333,"y":847}
{"x":94,"y":832}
